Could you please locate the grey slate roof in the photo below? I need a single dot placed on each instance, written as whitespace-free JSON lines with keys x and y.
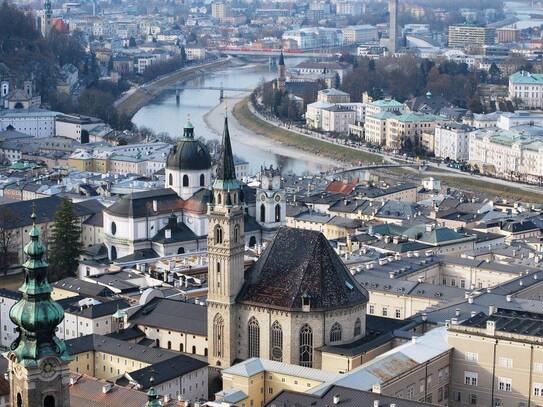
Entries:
{"x":83,"y":288}
{"x":139,"y":204}
{"x":296,"y":263}
{"x":172,"y":315}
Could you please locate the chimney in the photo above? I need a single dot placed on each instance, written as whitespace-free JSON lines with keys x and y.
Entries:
{"x":490,"y":328}
{"x":470,"y":299}
{"x":508,"y":298}
{"x":107,"y":387}
{"x":457,"y":312}
{"x":375,"y":403}
{"x":336,"y":399}
{"x":491,"y":309}
{"x":413,"y":339}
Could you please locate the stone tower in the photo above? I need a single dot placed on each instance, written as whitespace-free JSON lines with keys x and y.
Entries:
{"x":38,"y":361}
{"x":282,"y":73}
{"x":46,"y":18}
{"x":271,"y":208}
{"x":393,"y":26}
{"x":226,"y":246}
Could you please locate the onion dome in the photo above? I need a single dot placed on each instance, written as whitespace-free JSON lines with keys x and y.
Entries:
{"x":36,"y":315}
{"x":189,"y":153}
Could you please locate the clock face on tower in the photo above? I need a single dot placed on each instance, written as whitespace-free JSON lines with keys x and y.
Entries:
{"x":277,"y":198}
{"x":48,"y":368}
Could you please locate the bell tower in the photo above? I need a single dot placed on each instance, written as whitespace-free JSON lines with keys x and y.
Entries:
{"x":226,"y":246}
{"x":38,"y":361}
{"x":271,"y":208}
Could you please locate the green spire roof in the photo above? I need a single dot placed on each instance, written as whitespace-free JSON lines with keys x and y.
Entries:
{"x":152,"y":398}
{"x":36,"y":315}
{"x":226,"y":169}
{"x":188,"y":130}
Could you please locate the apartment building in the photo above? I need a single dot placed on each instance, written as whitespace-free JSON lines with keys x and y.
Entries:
{"x":497,"y":359}
{"x":451,"y":140}
{"x":337,"y":118}
{"x":461,"y":36}
{"x":356,"y":34}
{"x":527,"y":89}
{"x":406,"y":129}
{"x":133,"y":365}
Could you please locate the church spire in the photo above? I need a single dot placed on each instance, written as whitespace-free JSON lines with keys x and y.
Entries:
{"x":281,"y":58}
{"x":226,"y":170}
{"x":36,"y":315}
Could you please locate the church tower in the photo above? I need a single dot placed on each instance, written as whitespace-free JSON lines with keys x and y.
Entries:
{"x":282,"y":73}
{"x":226,"y":246}
{"x":38,"y":361}
{"x":271,"y":208}
{"x":46,"y":18}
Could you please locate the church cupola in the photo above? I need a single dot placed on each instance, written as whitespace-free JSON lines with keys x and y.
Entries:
{"x":271,"y":207}
{"x":188,"y":165}
{"x":38,"y":359}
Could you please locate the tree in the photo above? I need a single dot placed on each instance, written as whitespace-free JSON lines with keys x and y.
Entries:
{"x":65,"y":244}
{"x":183,"y":55}
{"x":8,"y":249}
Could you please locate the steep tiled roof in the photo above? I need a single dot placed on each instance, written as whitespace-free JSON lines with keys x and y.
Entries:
{"x":297,"y":263}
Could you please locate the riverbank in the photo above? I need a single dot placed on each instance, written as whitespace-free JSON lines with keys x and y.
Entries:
{"x":320,"y":148}
{"x":491,"y":186}
{"x":135,"y":99}
{"x":214,"y":120}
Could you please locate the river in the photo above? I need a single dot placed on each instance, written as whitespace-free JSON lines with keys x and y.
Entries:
{"x":165,"y":115}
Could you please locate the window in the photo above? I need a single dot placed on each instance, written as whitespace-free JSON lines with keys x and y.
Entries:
{"x":170,"y":179}
{"x":181,"y":250}
{"x":113,"y":228}
{"x":236,"y":233}
{"x":422,"y":385}
{"x":185,"y":180}
{"x":306,"y":346}
{"x":202,"y":180}
{"x":410,"y":393}
{"x":385,"y":311}
{"x":506,"y":362}
{"x":218,"y":335}
{"x":218,"y":234}
{"x":372,"y":309}
{"x":472,"y":357}
{"x":538,"y":367}
{"x":278,"y":213}
{"x":254,"y":338}
{"x":470,"y":378}
{"x":398,"y":313}
{"x":504,"y":383}
{"x":276,"y":342}
{"x":538,"y":389}
{"x":262,"y":213}
{"x":357,"y":327}
{"x":335,"y":332}
{"x":498,"y":403}
{"x":463,"y":283}
{"x":473,"y":399}
{"x":169,"y":344}
{"x":113,"y":253}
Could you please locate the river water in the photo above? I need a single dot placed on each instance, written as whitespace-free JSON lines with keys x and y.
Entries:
{"x":165,"y":115}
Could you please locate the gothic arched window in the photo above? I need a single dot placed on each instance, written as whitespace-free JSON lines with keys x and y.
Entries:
{"x":276,"y":342}
{"x":170,"y":179}
{"x":218,"y":234}
{"x":181,"y":250}
{"x":306,"y":346}
{"x":357,"y":327}
{"x":113,"y":253}
{"x":262,"y":213}
{"x":236,"y":233}
{"x":254,"y":338}
{"x":202,"y":180}
{"x":335,"y":332}
{"x":252,"y":241}
{"x":185,"y":180}
{"x":278,"y":213}
{"x":218,"y":336}
{"x":19,"y":400}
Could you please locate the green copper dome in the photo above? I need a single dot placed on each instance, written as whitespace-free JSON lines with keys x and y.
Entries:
{"x":36,"y":315}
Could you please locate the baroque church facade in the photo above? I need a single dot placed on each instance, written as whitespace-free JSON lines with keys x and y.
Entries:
{"x":298,"y":297}
{"x":174,"y":220}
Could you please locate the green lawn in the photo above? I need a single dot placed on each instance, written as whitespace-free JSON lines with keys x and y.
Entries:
{"x":334,"y":151}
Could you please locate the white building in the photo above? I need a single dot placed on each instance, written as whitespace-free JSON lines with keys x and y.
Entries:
{"x":356,"y":34}
{"x":527,"y":89}
{"x":36,"y":122}
{"x":514,"y":153}
{"x":315,"y":37}
{"x":452,"y":141}
{"x":8,"y":332}
{"x":337,"y":118}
